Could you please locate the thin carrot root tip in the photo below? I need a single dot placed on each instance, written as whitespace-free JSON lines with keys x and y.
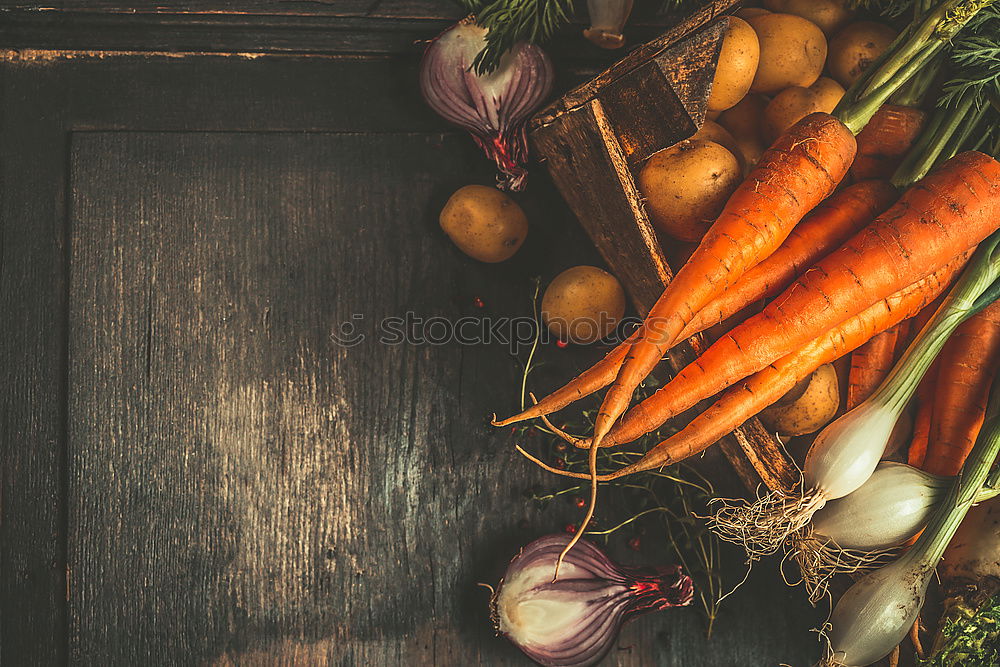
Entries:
{"x":763,"y":526}
{"x":592,"y":464}
{"x":819,"y":560}
{"x":573,"y":440}
{"x":563,"y":473}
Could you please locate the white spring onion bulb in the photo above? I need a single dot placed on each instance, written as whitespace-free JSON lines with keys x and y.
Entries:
{"x":845,"y":454}
{"x":859,"y":531}
{"x":875,"y":614}
{"x":890,"y":508}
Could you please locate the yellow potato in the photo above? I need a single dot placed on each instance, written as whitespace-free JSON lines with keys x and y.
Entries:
{"x":856,"y":47}
{"x":743,"y":121}
{"x":583,"y":304}
{"x":685,"y":186}
{"x":792,"y":52}
{"x":737,"y":65}
{"x":829,"y":92}
{"x":712,"y":131}
{"x":829,"y":15}
{"x":484,"y":223}
{"x":808,"y":407}
{"x":794,"y":103}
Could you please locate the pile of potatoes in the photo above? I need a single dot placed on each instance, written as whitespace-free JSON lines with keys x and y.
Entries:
{"x":778,"y":64}
{"x":583,"y":304}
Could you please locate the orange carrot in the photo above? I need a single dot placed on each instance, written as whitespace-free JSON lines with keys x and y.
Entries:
{"x":870,"y":363}
{"x":946,"y":213}
{"x":884,"y":142}
{"x":968,"y":364}
{"x":925,"y":392}
{"x":922,"y":422}
{"x":832,"y":222}
{"x":800,"y":170}
{"x":827,"y":227}
{"x":745,"y":399}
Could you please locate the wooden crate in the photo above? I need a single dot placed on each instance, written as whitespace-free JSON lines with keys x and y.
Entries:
{"x":594,"y":140}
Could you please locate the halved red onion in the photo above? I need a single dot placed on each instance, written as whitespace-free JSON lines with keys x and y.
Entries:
{"x":493,"y":107}
{"x":574,"y":621}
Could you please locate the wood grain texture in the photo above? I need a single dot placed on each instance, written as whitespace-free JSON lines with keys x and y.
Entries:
{"x":280,"y":27}
{"x":176,"y":141}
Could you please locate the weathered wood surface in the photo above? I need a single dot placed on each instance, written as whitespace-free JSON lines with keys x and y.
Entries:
{"x":278,"y":26}
{"x":192,"y":471}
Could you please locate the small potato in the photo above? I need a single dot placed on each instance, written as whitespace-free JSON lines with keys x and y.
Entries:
{"x":829,"y":15}
{"x":484,"y":223}
{"x":712,"y":131}
{"x":808,"y":407}
{"x":744,"y":122}
{"x":795,"y":103}
{"x":792,"y":52}
{"x":856,"y":47}
{"x":737,"y":65}
{"x":829,"y":92}
{"x":583,"y":304}
{"x":686,"y":186}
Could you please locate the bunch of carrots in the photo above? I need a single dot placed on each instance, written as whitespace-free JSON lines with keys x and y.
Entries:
{"x":842,"y":268}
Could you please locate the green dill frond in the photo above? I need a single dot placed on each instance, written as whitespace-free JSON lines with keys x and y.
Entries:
{"x":970,"y":637}
{"x":513,"y":21}
{"x":975,"y":61}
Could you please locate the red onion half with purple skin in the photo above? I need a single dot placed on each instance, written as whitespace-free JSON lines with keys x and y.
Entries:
{"x":492,"y":107}
{"x":574,"y":621}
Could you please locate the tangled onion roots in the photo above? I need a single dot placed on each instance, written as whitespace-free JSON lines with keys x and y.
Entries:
{"x":820,"y":559}
{"x":762,"y":527}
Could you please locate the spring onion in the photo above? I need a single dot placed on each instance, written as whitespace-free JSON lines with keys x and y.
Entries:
{"x":845,"y":454}
{"x":876,"y":613}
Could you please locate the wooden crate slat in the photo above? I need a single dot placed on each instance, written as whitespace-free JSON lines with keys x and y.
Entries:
{"x":590,"y":173}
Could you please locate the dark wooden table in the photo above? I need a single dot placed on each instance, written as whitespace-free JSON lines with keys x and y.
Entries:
{"x":195,"y":197}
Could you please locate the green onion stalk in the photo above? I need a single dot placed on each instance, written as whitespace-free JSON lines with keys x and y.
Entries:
{"x":915,"y":49}
{"x":877,"y":612}
{"x":949,"y":131}
{"x":846,"y":453}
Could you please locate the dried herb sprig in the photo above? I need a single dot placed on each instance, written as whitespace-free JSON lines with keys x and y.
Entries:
{"x":532,"y":21}
{"x":513,"y":21}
